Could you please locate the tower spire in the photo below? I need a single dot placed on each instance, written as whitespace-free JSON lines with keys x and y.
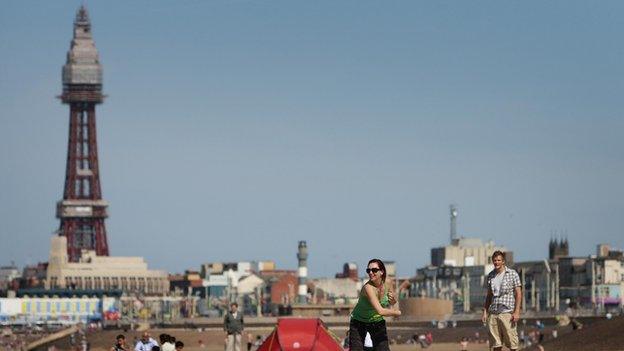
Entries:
{"x":82,"y":71}
{"x":82,"y":16}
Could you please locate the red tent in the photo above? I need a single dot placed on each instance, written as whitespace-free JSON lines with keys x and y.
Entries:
{"x":300,"y":334}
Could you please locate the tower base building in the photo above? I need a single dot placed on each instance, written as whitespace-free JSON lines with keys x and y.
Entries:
{"x":129,"y":274}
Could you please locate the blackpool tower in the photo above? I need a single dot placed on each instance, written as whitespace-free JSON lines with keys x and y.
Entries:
{"x":82,"y":210}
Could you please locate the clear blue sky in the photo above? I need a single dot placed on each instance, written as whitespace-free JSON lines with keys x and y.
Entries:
{"x":233,"y":129}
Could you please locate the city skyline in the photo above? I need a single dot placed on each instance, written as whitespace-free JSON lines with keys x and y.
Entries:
{"x":245,"y":127}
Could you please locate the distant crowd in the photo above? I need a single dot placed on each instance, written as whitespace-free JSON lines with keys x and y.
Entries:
{"x":147,"y":343}
{"x":170,"y":343}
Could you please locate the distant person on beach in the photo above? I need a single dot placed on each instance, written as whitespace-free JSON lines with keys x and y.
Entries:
{"x":429,"y":338}
{"x":422,"y":340}
{"x":165,"y":342}
{"x":501,"y":311}
{"x":146,"y":343}
{"x":179,"y":345}
{"x":120,"y":343}
{"x":463,"y":344}
{"x":249,"y":341}
{"x":373,"y":304}
{"x":233,"y":324}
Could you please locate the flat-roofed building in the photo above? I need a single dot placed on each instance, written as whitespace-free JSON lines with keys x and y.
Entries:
{"x":128,"y":274}
{"x":341,"y":291}
{"x":467,"y":252}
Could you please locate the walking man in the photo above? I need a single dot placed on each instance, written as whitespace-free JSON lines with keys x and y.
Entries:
{"x":146,"y":343}
{"x":233,"y":325}
{"x":501,"y":311}
{"x":120,"y":343}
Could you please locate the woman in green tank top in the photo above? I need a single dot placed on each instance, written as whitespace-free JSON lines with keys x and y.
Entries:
{"x":373,"y":304}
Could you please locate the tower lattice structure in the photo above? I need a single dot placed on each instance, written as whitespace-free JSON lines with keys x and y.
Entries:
{"x":82,"y":211}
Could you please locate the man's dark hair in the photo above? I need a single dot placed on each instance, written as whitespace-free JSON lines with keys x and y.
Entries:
{"x":498,"y":253}
{"x":234,"y":304}
{"x":120,"y":336}
{"x":164,"y":338}
{"x":179,"y":345}
{"x":155,"y":348}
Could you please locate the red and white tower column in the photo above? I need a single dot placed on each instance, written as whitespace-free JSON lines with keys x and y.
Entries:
{"x":82,"y":210}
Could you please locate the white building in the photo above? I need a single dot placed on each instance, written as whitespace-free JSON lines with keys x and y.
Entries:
{"x":102,"y":272}
{"x":467,"y":252}
{"x":336,"y":290}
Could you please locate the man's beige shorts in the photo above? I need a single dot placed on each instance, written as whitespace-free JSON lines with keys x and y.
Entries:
{"x":502,"y":331}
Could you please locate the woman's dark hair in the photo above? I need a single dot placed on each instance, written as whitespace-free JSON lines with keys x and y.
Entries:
{"x":381,"y":265}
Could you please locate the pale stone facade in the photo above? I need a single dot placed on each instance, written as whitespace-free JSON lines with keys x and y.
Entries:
{"x":129,"y":274}
{"x":466,"y":252}
{"x":249,"y":284}
{"x":336,"y":290}
{"x":612,"y":271}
